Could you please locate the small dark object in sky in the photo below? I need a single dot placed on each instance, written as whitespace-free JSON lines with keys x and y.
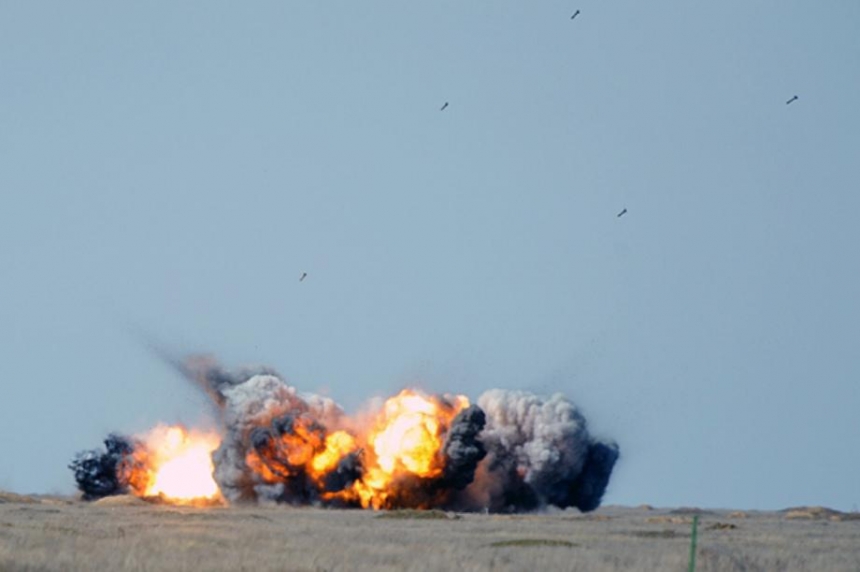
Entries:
{"x":444,"y":106}
{"x":575,"y":14}
{"x":792,"y":100}
{"x":304,"y":275}
{"x":622,"y":213}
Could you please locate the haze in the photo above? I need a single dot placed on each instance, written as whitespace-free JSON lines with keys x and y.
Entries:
{"x":174,"y":168}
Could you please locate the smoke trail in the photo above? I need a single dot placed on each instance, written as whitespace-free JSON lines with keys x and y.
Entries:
{"x":207,"y":373}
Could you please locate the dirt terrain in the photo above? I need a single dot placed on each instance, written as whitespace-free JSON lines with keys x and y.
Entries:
{"x":122,"y":533}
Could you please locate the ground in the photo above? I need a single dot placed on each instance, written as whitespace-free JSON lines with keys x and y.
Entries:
{"x":127,"y":534}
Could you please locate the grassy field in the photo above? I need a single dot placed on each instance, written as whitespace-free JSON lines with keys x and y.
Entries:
{"x":127,"y":534}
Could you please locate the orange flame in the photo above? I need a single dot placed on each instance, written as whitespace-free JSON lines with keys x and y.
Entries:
{"x":402,"y":442}
{"x":405,"y":441}
{"x":175,"y":465}
{"x":407,"y":435}
{"x":337,"y":445}
{"x":286,"y":455}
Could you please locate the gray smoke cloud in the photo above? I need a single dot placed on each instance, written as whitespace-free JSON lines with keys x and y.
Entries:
{"x":463,"y":448}
{"x":252,"y":412}
{"x":540,"y":453}
{"x":511,"y":451}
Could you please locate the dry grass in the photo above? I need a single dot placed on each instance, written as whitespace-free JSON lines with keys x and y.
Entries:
{"x":532,"y":542}
{"x":419,"y":514}
{"x":38,"y":534}
{"x":13,"y":498}
{"x":665,"y":533}
{"x":722,"y":526}
{"x":819,"y":513}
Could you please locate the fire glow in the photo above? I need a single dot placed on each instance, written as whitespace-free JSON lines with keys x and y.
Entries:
{"x":169,"y":464}
{"x":404,"y":439}
{"x":174,"y":464}
{"x":510,"y":451}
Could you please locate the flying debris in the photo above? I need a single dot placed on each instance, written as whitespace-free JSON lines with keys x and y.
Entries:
{"x":792,"y":100}
{"x":304,"y":275}
{"x":510,"y":451}
{"x":444,"y":106}
{"x":575,"y":14}
{"x":622,"y":213}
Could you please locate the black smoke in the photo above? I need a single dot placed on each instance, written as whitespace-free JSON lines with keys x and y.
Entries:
{"x":101,"y":473}
{"x":463,"y":449}
{"x":349,"y":469}
{"x":586,"y":492}
{"x":283,"y":449}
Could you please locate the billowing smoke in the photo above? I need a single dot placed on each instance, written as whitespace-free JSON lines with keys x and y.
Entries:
{"x":511,"y":451}
{"x":103,"y":473}
{"x":539,"y":453}
{"x":463,"y":447}
{"x":261,"y":415}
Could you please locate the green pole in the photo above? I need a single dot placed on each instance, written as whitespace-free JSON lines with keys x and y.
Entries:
{"x":692,"y":567}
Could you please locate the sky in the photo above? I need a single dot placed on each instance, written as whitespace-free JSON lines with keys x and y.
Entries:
{"x":172,"y":168}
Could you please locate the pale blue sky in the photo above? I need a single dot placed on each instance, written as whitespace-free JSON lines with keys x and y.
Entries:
{"x":176,"y":166}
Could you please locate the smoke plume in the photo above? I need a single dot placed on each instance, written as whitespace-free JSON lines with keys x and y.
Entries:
{"x":540,"y":453}
{"x":511,"y":451}
{"x":98,"y":473}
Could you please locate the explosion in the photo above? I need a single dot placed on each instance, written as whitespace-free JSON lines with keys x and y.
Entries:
{"x":405,"y":442}
{"x":510,"y":451}
{"x":176,"y":465}
{"x":407,"y":435}
{"x":168,"y":463}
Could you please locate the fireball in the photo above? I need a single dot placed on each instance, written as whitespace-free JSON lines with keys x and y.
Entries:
{"x":175,"y":464}
{"x":337,"y":445}
{"x":405,"y":441}
{"x":373,"y":464}
{"x":407,"y":435}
